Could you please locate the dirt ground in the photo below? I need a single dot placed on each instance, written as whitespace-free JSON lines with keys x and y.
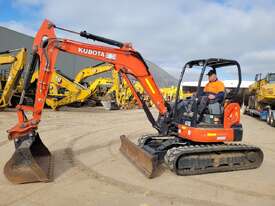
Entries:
{"x":90,"y":170}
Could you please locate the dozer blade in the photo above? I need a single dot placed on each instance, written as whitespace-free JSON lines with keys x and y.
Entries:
{"x":143,"y":160}
{"x":31,"y":161}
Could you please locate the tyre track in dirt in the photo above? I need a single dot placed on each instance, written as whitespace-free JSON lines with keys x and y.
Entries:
{"x":229,"y":188}
{"x":127,"y":187}
{"x":130,"y":188}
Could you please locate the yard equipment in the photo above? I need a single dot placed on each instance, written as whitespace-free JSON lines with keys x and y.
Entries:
{"x":169,"y":93}
{"x":114,"y":92}
{"x":10,"y":79}
{"x":261,"y":98}
{"x":120,"y":96}
{"x":64,"y":91}
{"x":188,"y":147}
{"x":100,"y":86}
{"x":88,"y":72}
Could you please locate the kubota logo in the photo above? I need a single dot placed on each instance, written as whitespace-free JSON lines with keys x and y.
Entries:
{"x":97,"y":53}
{"x":91,"y":52}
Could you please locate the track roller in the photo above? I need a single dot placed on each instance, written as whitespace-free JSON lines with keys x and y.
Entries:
{"x":201,"y":159}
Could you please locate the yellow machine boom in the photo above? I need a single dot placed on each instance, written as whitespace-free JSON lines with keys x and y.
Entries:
{"x":64,"y":91}
{"x":91,"y":71}
{"x":12,"y":80}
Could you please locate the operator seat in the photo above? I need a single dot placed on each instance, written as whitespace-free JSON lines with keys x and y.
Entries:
{"x":215,"y":111}
{"x":215,"y":108}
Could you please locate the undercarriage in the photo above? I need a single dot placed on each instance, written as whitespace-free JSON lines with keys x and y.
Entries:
{"x":189,"y":158}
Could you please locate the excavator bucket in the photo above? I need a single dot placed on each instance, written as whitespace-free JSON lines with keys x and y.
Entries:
{"x":143,"y":160}
{"x":31,"y":161}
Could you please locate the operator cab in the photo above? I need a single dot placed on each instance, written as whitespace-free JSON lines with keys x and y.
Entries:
{"x":186,"y":111}
{"x":270,"y":77}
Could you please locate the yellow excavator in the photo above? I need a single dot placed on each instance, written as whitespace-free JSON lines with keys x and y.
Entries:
{"x":113,"y":93}
{"x":10,"y":79}
{"x":64,"y":91}
{"x":99,"y":86}
{"x":169,"y":93}
{"x":75,"y":92}
{"x":261,"y":98}
{"x":120,"y":96}
{"x":127,"y":100}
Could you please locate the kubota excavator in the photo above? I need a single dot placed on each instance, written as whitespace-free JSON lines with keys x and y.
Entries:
{"x":187,"y":146}
{"x":9,"y":83}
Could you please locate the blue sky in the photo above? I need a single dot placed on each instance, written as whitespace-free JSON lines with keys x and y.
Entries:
{"x":168,"y":33}
{"x":7,"y":11}
{"x":11,"y":11}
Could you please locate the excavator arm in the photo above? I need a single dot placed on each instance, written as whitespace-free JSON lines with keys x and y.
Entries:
{"x":32,"y":160}
{"x":126,"y":61}
{"x":46,"y":47}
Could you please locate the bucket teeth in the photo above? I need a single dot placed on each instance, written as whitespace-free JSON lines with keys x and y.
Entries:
{"x":144,"y":161}
{"x":31,"y":161}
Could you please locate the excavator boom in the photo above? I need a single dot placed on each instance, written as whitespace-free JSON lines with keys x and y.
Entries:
{"x":45,"y":50}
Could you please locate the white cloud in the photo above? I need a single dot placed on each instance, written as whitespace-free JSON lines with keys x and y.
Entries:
{"x":259,"y":62}
{"x":260,"y":56}
{"x":170,"y":33}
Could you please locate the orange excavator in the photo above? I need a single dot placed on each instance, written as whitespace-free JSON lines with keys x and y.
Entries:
{"x":186,"y":146}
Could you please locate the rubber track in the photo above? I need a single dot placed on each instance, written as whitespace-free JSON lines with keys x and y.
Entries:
{"x":200,"y":156}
